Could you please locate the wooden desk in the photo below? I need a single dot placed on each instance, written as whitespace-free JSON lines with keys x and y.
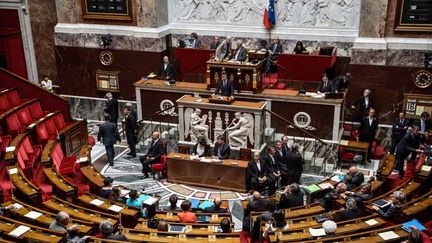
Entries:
{"x":246,"y":76}
{"x":181,"y":169}
{"x":386,"y":165}
{"x":143,"y":236}
{"x":93,"y":177}
{"x":198,"y":229}
{"x":61,"y":187}
{"x":356,"y":146}
{"x":25,"y":190}
{"x":35,"y":234}
{"x":417,"y":206}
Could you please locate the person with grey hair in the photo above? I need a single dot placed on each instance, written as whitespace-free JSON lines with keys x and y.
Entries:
{"x":61,"y":224}
{"x":351,"y":210}
{"x":111,"y":108}
{"x":107,"y":228}
{"x":328,"y":199}
{"x":223,"y":50}
{"x":353,"y":178}
{"x":294,"y":162}
{"x":330,"y":228}
{"x":396,"y":202}
{"x":291,"y":197}
{"x":240,"y":53}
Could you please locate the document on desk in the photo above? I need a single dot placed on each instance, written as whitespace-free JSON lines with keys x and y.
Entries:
{"x":13,"y":171}
{"x":150,"y":200}
{"x":19,"y":231}
{"x":388,"y":235}
{"x":33,"y":215}
{"x":317,"y":232}
{"x":426,"y":168}
{"x":371,"y":222}
{"x":115,"y":208}
{"x":325,"y":185}
{"x":343,"y":142}
{"x":97,"y":202}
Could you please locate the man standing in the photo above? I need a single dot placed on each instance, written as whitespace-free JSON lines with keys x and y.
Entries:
{"x":423,"y":125}
{"x":153,"y":155}
{"x":341,"y":82}
{"x":108,"y":133}
{"x":273,"y":164}
{"x":240,"y":53}
{"x":295,"y":163}
{"x":225,"y":86}
{"x":221,"y":150}
{"x":166,"y":69}
{"x":285,"y":148}
{"x":409,"y":144}
{"x":112,"y":108}
{"x":282,"y":166}
{"x":364,"y":103}
{"x":400,"y":126}
{"x":368,"y":130}
{"x":223,"y":51}
{"x":131,"y":128}
{"x":259,"y":175}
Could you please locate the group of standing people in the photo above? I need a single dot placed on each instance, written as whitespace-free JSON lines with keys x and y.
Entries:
{"x":282,"y":166}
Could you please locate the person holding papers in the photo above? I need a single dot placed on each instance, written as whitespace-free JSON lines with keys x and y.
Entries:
{"x":187,"y":216}
{"x":61,"y":224}
{"x":397,"y":200}
{"x":225,"y":87}
{"x":201,"y":149}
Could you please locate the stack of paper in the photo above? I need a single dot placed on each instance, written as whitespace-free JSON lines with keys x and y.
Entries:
{"x":33,"y":215}
{"x":325,"y":185}
{"x":317,"y":232}
{"x":13,"y":171}
{"x":388,"y":235}
{"x":371,"y":222}
{"x":97,"y":202}
{"x":17,"y":205}
{"x":19,"y":231}
{"x":312,"y":188}
{"x":115,"y":208}
{"x":150,"y":200}
{"x":426,"y":168}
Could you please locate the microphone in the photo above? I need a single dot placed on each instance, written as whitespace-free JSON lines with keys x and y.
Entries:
{"x":219,"y":185}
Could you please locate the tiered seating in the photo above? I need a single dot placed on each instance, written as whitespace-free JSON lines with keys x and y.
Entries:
{"x":25,"y":189}
{"x":9,"y":98}
{"x":418,"y":206}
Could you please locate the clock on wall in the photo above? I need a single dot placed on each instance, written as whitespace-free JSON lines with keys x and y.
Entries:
{"x":106,"y":58}
{"x":423,"y":79}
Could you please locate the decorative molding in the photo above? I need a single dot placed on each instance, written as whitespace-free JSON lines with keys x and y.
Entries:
{"x":393,"y":43}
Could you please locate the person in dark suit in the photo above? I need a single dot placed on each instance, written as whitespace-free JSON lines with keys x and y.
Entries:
{"x":399,"y":128}
{"x":259,"y":174}
{"x":424,"y":125}
{"x":364,"y":194}
{"x":111,"y":108}
{"x":294,"y":162}
{"x":354,"y":178}
{"x":225,"y":86}
{"x":285,"y":146}
{"x":221,"y":149}
{"x":257,"y":204}
{"x":240,"y":54}
{"x":398,"y":198}
{"x":194,"y":42}
{"x":215,"y":43}
{"x":273,"y":163}
{"x":291,"y":197}
{"x":273,"y":53}
{"x":153,"y":155}
{"x":351,"y":210}
{"x":216,"y":207}
{"x":107,"y":228}
{"x":409,"y":144}
{"x":299,"y":48}
{"x":368,"y":130}
{"x":327,"y":200}
{"x":202,"y":149}
{"x":109,"y":135}
{"x":131,"y":128}
{"x":340,"y":83}
{"x":325,"y":85}
{"x":364,"y":103}
{"x":282,"y":165}
{"x":167,"y":70}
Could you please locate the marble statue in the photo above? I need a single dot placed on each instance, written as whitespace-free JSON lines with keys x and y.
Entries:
{"x":240,"y":130}
{"x":195,"y":125}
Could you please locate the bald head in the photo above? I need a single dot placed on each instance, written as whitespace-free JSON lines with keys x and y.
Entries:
{"x":155,"y":135}
{"x":62,"y":218}
{"x":353,"y":170}
{"x":218,"y":201}
{"x":256,"y":195}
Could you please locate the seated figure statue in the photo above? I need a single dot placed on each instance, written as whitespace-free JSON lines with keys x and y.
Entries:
{"x":239,"y":131}
{"x":198,"y":127}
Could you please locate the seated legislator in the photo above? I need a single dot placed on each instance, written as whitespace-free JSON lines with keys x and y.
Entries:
{"x":216,"y":207}
{"x":193,"y":42}
{"x":172,"y":204}
{"x":202,"y":149}
{"x":330,"y":228}
{"x":324,"y":85}
{"x":259,"y":174}
{"x":299,"y":48}
{"x":257,"y":204}
{"x":225,"y":225}
{"x":61,"y":224}
{"x":225,"y":87}
{"x":291,"y":197}
{"x":153,"y":155}
{"x":273,"y":53}
{"x":353,"y":178}
{"x":134,"y":202}
{"x":106,"y":190}
{"x":396,"y":201}
{"x":166,"y":70}
{"x":221,"y":150}
{"x":223,"y":51}
{"x":351,"y":210}
{"x":277,"y":222}
{"x":363,"y":195}
{"x":116,"y":195}
{"x":328,"y":199}
{"x":107,"y":228}
{"x":186,"y":216}
{"x":240,"y":54}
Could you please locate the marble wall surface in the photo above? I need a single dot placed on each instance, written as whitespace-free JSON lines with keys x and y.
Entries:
{"x":373,"y":18}
{"x":389,"y":57}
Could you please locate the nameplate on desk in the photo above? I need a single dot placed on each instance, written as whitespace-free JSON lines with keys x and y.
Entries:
{"x":212,"y":238}
{"x":211,"y":228}
{"x":169,"y":214}
{"x":50,"y":114}
{"x":82,"y":159}
{"x":10,"y":149}
{"x":17,"y":205}
{"x":13,"y":171}
{"x":97,"y":202}
{"x":177,"y":156}
{"x":153,"y":235}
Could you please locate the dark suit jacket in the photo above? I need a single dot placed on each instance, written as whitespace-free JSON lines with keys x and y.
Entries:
{"x":107,"y":131}
{"x":294,"y":161}
{"x":327,"y":89}
{"x":254,"y":172}
{"x":156,"y":150}
{"x":242,"y":54}
{"x":197,"y":44}
{"x":169,"y":71}
{"x":367,"y":132}
{"x":418,"y":123}
{"x":115,"y":237}
{"x":214,"y":209}
{"x":281,"y":159}
{"x":276,"y":49}
{"x":353,"y":181}
{"x":408,"y":144}
{"x":348,"y":214}
{"x":362,"y":108}
{"x":225,"y":150}
{"x":389,"y":212}
{"x":112,"y":109}
{"x":272,"y":164}
{"x":206,"y":150}
{"x":290,"y":200}
{"x":213,"y":45}
{"x":339,"y":83}
{"x":227,"y":90}
{"x":131,"y":123}
{"x":398,"y":129}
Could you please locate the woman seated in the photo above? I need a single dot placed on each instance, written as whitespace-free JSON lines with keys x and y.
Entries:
{"x":299,"y":48}
{"x":116,"y":195}
{"x":186,"y":216}
{"x":202,"y":149}
{"x":397,"y":200}
{"x":225,"y":225}
{"x":105,"y":191}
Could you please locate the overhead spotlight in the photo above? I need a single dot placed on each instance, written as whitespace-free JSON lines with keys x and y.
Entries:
{"x":105,"y":40}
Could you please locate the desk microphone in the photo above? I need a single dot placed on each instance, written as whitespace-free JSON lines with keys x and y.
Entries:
{"x":220,"y":190}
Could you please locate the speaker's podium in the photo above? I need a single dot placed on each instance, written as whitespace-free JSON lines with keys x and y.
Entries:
{"x":246,"y":76}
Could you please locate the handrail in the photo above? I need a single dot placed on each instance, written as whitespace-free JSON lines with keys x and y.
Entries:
{"x":156,"y":113}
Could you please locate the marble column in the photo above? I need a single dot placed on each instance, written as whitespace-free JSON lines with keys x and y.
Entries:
{"x":373,"y":18}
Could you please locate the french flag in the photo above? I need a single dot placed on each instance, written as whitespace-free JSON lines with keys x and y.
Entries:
{"x":269,"y":15}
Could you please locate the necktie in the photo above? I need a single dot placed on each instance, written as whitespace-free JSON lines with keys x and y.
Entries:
{"x":220,"y":151}
{"x":274,"y":48}
{"x":224,"y":83}
{"x":423,"y":126}
{"x":325,"y":85}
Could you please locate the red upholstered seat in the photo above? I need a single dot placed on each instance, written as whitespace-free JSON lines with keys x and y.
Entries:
{"x":4,"y":142}
{"x":378,"y":151}
{"x":51,"y":128}
{"x":91,"y":140}
{"x":345,"y":156}
{"x":24,"y":116}
{"x":5,"y":183}
{"x":160,"y":167}
{"x":63,"y":165}
{"x":42,"y":134}
{"x":13,"y":125}
{"x":59,"y":121}
{"x":13,"y":98}
{"x":33,"y":152}
{"x":4,"y":103}
{"x":36,"y":110}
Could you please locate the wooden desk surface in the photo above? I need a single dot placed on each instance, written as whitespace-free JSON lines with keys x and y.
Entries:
{"x":418,"y":205}
{"x":197,"y":229}
{"x":91,"y":174}
{"x":280,"y":92}
{"x":21,"y":182}
{"x":35,"y":234}
{"x":237,"y":65}
{"x":165,"y":84}
{"x":172,"y":217}
{"x":175,"y":238}
{"x":87,"y":199}
{"x":354,"y":145}
{"x":235,"y":103}
{"x":227,"y":162}
{"x":57,"y":181}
